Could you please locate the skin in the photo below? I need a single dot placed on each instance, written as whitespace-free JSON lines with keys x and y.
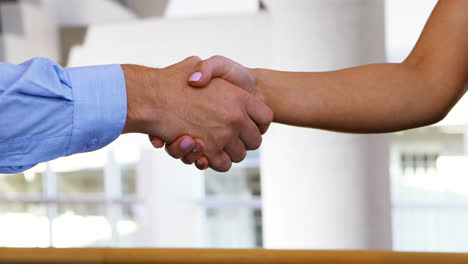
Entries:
{"x":375,"y":98}
{"x":227,"y":118}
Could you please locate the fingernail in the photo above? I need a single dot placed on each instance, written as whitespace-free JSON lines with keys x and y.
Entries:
{"x":153,"y":142}
{"x":198,"y":147}
{"x":195,"y":77}
{"x":199,"y":164}
{"x":186,"y":144}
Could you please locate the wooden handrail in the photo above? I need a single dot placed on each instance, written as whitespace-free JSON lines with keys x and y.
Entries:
{"x":220,"y":256}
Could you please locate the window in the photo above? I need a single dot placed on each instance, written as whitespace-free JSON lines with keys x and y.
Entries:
{"x":233,"y":206}
{"x":429,"y":190}
{"x":413,"y":164}
{"x":97,"y":200}
{"x":66,"y":204}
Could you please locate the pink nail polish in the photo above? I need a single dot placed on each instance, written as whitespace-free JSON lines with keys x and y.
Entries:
{"x":195,"y":77}
{"x":199,"y":164}
{"x":186,"y":144}
{"x":198,"y":147}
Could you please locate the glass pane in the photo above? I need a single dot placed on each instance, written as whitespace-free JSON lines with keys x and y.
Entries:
{"x":429,"y":193}
{"x":237,"y":182}
{"x":23,"y":225}
{"x":233,"y":228}
{"x":233,"y":214}
{"x":90,"y":182}
{"x":127,"y":228}
{"x":81,"y":226}
{"x":431,"y":229}
{"x":129,"y":180}
{"x":23,"y":184}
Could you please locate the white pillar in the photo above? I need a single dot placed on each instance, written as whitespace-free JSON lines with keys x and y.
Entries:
{"x":324,"y":190}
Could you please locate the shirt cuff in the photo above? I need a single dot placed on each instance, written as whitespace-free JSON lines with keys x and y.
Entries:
{"x":100,"y":106}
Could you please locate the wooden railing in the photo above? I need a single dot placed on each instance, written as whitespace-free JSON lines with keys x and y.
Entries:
{"x":221,"y":256}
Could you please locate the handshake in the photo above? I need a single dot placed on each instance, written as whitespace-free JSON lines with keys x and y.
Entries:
{"x":207,"y":112}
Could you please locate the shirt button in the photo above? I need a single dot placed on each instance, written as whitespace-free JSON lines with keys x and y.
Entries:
{"x":93,"y":143}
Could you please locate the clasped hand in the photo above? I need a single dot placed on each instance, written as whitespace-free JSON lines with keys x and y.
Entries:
{"x":209,"y":112}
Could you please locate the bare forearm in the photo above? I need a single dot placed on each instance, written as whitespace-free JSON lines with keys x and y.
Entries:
{"x":367,"y":99}
{"x":381,"y":97}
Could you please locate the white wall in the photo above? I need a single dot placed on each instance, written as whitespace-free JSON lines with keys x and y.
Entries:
{"x":161,"y":42}
{"x":74,"y":13}
{"x":38,"y":35}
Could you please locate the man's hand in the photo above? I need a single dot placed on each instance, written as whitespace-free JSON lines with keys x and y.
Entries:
{"x":204,"y":72}
{"x":225,"y":117}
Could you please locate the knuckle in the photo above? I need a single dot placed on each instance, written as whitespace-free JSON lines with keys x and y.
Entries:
{"x":225,"y":166}
{"x":270,"y":116}
{"x":227,"y":135}
{"x":235,"y":117}
{"x":264,"y":129}
{"x":241,"y":157}
{"x":202,"y":65}
{"x":266,"y":120}
{"x":255,"y":143}
{"x":265,"y":124}
{"x":220,"y":139}
{"x":220,"y":164}
{"x":216,"y":167}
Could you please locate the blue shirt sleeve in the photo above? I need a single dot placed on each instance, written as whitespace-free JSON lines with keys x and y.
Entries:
{"x":47,"y":111}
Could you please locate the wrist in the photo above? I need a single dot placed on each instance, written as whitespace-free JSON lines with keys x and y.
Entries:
{"x":141,"y":85}
{"x":259,"y":76}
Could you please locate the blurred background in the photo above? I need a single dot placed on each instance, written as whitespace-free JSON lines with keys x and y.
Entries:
{"x":304,"y":188}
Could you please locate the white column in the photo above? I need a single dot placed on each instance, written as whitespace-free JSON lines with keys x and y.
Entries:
{"x":324,"y":190}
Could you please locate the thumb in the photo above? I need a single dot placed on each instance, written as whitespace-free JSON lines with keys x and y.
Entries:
{"x":224,"y":68}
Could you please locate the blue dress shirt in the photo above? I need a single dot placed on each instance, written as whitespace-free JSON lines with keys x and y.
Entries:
{"x":47,"y":111}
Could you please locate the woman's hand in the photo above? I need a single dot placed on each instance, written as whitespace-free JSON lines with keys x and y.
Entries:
{"x":188,"y":148}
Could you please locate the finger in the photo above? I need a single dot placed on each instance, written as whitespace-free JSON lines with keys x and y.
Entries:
{"x":202,"y":163}
{"x":236,"y":150}
{"x":250,"y":135}
{"x":260,"y":113}
{"x":180,"y":147}
{"x":196,"y":153}
{"x":224,"y":68}
{"x":221,"y":162}
{"x":156,"y":141}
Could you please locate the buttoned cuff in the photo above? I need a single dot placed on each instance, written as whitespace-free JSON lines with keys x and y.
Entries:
{"x":100,"y":106}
